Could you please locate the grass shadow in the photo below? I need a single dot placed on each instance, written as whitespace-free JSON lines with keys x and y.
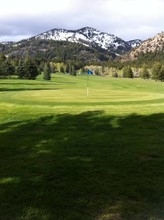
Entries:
{"x":86,"y":166}
{"x":24,"y":89}
{"x":11,"y":86}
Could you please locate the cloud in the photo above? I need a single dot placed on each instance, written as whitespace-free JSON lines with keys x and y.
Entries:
{"x":127,"y":19}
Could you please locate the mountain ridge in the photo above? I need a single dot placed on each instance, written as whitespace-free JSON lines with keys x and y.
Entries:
{"x":90,"y":37}
{"x":85,"y":43}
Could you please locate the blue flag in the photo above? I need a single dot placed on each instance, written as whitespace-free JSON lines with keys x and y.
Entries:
{"x":90,"y":72}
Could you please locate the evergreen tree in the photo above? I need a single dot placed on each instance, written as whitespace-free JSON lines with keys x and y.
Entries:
{"x":20,"y":69}
{"x":3,"y":69}
{"x":162,"y":74}
{"x":115,"y":75}
{"x":6,"y":69}
{"x":73,"y":71}
{"x":47,"y":72}
{"x":70,"y":68}
{"x":158,"y":72}
{"x":30,"y":70}
{"x":144,"y":73}
{"x":27,"y":69}
{"x":127,"y":72}
{"x":41,"y":67}
{"x":2,"y":58}
{"x":62,"y":69}
{"x":10,"y":69}
{"x":67,"y":68}
{"x":52,"y":68}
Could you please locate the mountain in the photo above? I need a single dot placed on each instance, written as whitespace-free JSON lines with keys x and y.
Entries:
{"x":150,"y":48}
{"x":89,"y":37}
{"x":85,"y":44}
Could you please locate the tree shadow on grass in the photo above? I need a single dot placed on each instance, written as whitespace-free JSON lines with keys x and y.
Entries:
{"x":25,"y":89}
{"x":86,"y":166}
{"x":31,"y":86}
{"x":25,"y":86}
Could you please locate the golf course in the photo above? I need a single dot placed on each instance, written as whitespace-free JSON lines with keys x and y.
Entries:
{"x":68,"y":152}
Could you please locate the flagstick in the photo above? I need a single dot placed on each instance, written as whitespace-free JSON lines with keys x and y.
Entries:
{"x":87,"y":91}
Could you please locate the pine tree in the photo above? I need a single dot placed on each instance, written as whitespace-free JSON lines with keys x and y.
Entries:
{"x":115,"y":75}
{"x":47,"y":72}
{"x":2,"y":58}
{"x":144,"y":73}
{"x":127,"y":72}
{"x":67,"y":68}
{"x":158,"y":72}
{"x":30,"y":69}
{"x":52,"y":68}
{"x":27,"y":69}
{"x":20,"y":69}
{"x":70,"y":68}
{"x":3,"y":69}
{"x":73,"y":71}
{"x":162,"y":74}
{"x":62,"y":69}
{"x":7,"y":69}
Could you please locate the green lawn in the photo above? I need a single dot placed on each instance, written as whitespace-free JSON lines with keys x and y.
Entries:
{"x":66,"y":156}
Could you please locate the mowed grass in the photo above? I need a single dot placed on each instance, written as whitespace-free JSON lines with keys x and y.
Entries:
{"x":66,"y":156}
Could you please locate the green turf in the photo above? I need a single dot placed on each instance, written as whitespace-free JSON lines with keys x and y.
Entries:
{"x":66,"y":156}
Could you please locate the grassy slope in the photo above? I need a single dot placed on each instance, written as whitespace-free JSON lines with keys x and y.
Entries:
{"x":68,"y":156}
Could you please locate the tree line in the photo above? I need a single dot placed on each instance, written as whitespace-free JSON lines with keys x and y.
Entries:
{"x":156,"y":72}
{"x":29,"y":68}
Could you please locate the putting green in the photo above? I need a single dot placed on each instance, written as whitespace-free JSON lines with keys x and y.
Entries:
{"x":69,"y":93}
{"x":74,"y":96}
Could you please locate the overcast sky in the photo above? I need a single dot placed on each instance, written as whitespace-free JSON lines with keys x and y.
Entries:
{"x":128,"y":19}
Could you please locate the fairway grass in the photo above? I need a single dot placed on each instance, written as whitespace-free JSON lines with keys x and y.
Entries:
{"x":68,"y":156}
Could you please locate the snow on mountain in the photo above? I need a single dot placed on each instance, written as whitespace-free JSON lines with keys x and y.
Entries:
{"x":7,"y":42}
{"x":134,"y":43}
{"x":89,"y":37}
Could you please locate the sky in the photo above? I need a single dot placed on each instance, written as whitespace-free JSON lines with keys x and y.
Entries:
{"x":127,"y":19}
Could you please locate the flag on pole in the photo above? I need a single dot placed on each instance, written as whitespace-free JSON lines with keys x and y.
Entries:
{"x":90,"y":72}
